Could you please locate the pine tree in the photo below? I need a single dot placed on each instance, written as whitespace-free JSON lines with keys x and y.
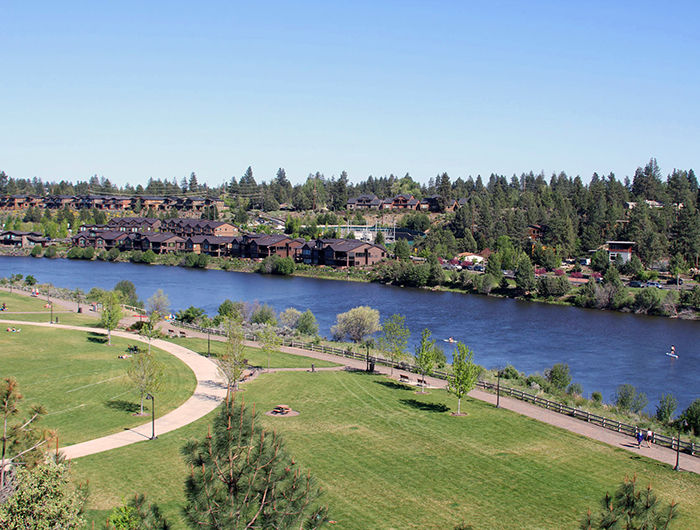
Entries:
{"x":241,"y":476}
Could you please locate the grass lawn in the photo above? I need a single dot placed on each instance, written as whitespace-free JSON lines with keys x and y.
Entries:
{"x":17,"y":304}
{"x":387,"y":457}
{"x":82,"y":383}
{"x":256,"y":356}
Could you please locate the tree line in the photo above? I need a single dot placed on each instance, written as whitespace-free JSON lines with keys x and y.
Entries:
{"x":575,"y":217}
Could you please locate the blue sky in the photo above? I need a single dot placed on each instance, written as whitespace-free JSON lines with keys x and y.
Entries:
{"x":132,"y":90}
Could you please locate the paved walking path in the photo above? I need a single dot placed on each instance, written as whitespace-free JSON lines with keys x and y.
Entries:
{"x":210,"y":391}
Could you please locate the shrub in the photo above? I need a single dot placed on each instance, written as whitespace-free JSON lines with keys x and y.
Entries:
{"x":597,"y":397}
{"x":136,"y":256}
{"x":509,"y":372}
{"x":88,"y":253}
{"x":75,"y":253}
{"x":306,"y":323}
{"x":692,"y":416}
{"x":558,"y":376}
{"x":539,"y":380}
{"x":628,"y":399}
{"x":113,"y":254}
{"x":666,"y":407}
{"x":575,"y":389}
{"x":36,"y":251}
{"x":264,"y":314}
{"x":148,"y":257}
{"x":50,"y":252}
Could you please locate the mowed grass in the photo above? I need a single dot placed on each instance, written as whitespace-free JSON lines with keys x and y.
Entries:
{"x":255,"y":356}
{"x":387,"y":457}
{"x":30,"y":309}
{"x":81,"y":382}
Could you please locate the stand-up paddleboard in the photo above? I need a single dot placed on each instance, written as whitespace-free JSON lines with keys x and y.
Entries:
{"x":449,"y":340}
{"x":672,"y":355}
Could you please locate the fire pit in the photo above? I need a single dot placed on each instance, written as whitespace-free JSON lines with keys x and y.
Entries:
{"x":282,"y":410}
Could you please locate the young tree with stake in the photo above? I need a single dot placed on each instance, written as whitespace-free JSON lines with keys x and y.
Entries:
{"x":464,"y":374}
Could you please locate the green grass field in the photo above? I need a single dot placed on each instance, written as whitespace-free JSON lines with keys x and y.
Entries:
{"x":255,"y":356}
{"x":78,"y":378}
{"x":18,"y":305}
{"x":387,"y":457}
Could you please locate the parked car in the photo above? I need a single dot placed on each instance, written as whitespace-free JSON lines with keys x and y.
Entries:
{"x":636,"y":283}
{"x":653,"y":284}
{"x":672,"y":281}
{"x":479,"y":268}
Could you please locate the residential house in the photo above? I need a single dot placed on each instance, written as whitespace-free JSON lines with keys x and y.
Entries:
{"x":620,"y":248}
{"x":364,"y":202}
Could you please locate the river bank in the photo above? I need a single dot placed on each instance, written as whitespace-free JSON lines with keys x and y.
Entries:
{"x":452,"y":282}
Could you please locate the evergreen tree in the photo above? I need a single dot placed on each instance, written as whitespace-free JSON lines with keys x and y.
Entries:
{"x":241,"y":476}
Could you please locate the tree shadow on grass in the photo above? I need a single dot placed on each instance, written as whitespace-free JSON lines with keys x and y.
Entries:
{"x":124,"y":406}
{"x":96,"y":337}
{"x":394,"y":385}
{"x":422,"y":405}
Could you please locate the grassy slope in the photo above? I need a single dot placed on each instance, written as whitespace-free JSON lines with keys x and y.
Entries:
{"x":256,"y":356}
{"x":82,"y":383}
{"x":17,"y":302}
{"x":389,"y":458}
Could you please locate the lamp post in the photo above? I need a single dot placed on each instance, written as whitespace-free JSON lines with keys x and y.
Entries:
{"x":498,"y":389}
{"x":153,"y":416}
{"x":208,"y":342}
{"x":48,"y":300}
{"x":681,"y":426}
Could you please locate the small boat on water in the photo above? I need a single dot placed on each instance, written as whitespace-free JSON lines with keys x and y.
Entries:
{"x":450,"y":339}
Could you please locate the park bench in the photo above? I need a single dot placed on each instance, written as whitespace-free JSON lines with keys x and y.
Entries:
{"x":183,"y":334}
{"x":422,"y":382}
{"x":403,"y":377}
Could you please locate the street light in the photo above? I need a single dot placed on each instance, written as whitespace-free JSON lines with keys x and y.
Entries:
{"x":209,"y":342}
{"x":682,"y":425}
{"x":48,"y":300}
{"x":498,"y":388}
{"x":153,"y":416}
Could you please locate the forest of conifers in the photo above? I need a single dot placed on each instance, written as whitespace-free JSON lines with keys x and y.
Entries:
{"x":576,"y":216}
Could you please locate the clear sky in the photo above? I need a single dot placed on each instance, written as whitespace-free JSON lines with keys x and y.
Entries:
{"x":132,"y":90}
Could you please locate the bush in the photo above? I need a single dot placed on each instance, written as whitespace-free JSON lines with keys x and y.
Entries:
{"x":136,"y":256}
{"x":148,"y":257}
{"x":75,"y":253}
{"x":264,"y":314}
{"x":113,"y":254}
{"x":692,"y":416}
{"x":36,"y":251}
{"x":306,"y":324}
{"x":575,"y":389}
{"x":539,"y":380}
{"x":666,"y":407}
{"x":50,"y":252}
{"x":558,"y":376}
{"x":628,"y":399}
{"x":509,"y":372}
{"x":597,"y":397}
{"x":88,"y":253}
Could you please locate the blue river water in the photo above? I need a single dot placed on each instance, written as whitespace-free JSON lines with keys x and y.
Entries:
{"x":603,"y":349}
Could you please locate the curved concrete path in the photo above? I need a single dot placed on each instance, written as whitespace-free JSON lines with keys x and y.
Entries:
{"x":210,"y":391}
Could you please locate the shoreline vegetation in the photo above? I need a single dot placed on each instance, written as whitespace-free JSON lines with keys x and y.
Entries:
{"x":650,"y":301}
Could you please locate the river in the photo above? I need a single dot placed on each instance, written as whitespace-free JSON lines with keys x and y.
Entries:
{"x":603,"y":349}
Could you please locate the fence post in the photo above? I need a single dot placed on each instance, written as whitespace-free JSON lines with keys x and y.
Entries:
{"x":618,"y":426}
{"x":603,"y":422}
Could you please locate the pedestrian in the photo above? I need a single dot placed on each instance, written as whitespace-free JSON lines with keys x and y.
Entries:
{"x":639,"y":436}
{"x":649,"y":437}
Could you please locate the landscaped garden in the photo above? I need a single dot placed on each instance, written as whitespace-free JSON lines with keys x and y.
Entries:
{"x":82,"y":383}
{"x":387,"y":457}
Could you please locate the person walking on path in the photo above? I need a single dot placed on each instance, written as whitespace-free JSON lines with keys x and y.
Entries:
{"x":649,"y":437}
{"x":639,"y":436}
